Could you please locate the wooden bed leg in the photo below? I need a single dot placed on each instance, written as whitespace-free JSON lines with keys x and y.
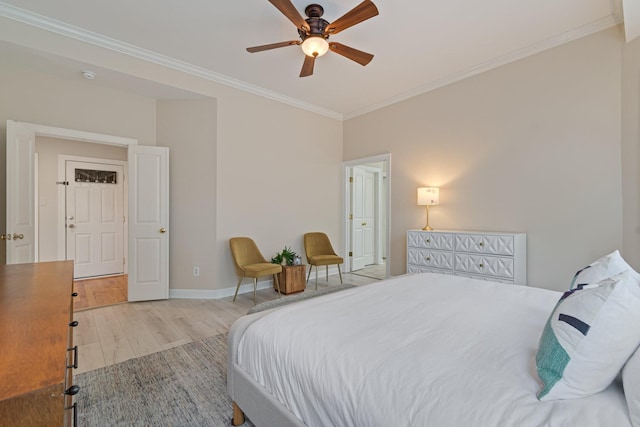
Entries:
{"x":238,"y":415}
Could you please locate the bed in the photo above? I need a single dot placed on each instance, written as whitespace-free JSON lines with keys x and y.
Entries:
{"x":422,"y":349}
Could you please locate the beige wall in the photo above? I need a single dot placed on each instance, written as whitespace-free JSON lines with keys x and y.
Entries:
{"x":631,"y":151}
{"x":48,"y":150}
{"x":189,"y":129}
{"x":531,"y":146}
{"x":279,"y":174}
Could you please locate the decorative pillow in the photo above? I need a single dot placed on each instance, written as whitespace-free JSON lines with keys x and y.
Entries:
{"x":591,"y":333}
{"x":631,"y":384}
{"x":607,"y":266}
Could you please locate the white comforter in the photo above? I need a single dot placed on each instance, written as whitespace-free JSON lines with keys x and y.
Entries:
{"x":417,"y":350}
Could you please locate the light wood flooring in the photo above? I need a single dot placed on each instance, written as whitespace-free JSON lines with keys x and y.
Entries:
{"x":113,"y":334}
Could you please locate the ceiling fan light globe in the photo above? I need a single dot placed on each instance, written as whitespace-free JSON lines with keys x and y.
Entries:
{"x":315,"y":46}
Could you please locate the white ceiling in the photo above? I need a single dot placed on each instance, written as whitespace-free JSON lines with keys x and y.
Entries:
{"x":418,"y":45}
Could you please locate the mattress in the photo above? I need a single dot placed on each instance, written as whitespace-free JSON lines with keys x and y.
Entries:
{"x":423,"y":349}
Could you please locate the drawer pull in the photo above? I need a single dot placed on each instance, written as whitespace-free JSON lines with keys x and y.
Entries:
{"x":481,"y":243}
{"x":428,"y":259}
{"x":75,"y":294}
{"x":72,"y":391}
{"x":73,"y":324}
{"x":481,"y":265}
{"x":428,"y":240}
{"x":75,"y":358}
{"x":74,"y":408}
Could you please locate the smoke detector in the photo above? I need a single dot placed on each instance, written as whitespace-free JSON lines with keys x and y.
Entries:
{"x":89,"y":75}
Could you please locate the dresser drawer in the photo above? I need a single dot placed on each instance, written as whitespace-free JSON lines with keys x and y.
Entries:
{"x":485,"y":265}
{"x":430,"y":258}
{"x":485,"y":244}
{"x":422,"y":239}
{"x":413,"y":269}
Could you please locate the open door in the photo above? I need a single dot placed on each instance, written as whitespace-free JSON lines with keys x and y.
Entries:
{"x":148,"y":223}
{"x":20,"y":226}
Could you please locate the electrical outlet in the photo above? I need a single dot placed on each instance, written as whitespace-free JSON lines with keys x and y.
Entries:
{"x":196,"y":271}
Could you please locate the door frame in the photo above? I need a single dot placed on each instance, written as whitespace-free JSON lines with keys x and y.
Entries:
{"x":386,"y":207}
{"x":62,"y":202}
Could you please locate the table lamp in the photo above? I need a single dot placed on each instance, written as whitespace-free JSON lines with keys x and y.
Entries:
{"x":428,"y":196}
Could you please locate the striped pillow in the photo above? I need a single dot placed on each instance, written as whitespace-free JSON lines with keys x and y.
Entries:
{"x":602,"y":268}
{"x":591,"y":333}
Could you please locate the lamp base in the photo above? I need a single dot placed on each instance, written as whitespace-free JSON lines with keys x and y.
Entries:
{"x":427,"y":228}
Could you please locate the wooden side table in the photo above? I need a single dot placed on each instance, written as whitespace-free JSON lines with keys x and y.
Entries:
{"x":292,"y":279}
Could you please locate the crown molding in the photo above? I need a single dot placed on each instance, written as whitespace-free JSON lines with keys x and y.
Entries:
{"x":54,"y":26}
{"x":577,"y":33}
{"x":48,"y":24}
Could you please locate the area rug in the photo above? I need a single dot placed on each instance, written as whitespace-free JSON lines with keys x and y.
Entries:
{"x":288,"y":299}
{"x":182,"y":386}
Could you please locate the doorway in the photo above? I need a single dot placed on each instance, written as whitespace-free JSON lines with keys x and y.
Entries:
{"x":148,"y":201}
{"x":366,"y":215}
{"x":95,"y":213}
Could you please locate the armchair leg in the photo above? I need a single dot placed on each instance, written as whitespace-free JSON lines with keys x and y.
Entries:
{"x":255,"y":287}
{"x":326,"y":272}
{"x":237,"y":288}
{"x":275,"y":277}
{"x":316,"y":277}
{"x":340,"y":273}
{"x":309,"y":274}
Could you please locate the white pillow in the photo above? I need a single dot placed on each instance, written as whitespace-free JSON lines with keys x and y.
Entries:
{"x":607,"y":266}
{"x":589,"y":336}
{"x":631,"y":384}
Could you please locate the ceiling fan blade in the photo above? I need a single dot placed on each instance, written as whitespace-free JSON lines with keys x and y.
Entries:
{"x":307,"y":66}
{"x":289,"y":10}
{"x":361,"y":12}
{"x":272,"y":46}
{"x":362,"y":58}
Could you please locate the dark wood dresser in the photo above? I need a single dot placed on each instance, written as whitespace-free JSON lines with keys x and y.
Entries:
{"x":37,"y":356}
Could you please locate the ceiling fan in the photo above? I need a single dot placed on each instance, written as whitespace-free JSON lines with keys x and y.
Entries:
{"x":314,"y":32}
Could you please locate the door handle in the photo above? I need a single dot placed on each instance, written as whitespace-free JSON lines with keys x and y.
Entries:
{"x":17,"y":236}
{"x":364,"y":223}
{"x":163,"y":230}
{"x":71,"y":226}
{"x":5,"y":236}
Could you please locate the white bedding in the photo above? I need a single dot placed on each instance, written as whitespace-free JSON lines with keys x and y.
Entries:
{"x":424,"y":349}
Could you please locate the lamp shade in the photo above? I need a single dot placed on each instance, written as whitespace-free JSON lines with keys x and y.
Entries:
{"x":428,"y":196}
{"x":315,"y":46}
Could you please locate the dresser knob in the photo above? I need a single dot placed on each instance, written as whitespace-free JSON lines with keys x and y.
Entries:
{"x":481,"y":265}
{"x":73,"y":324}
{"x":75,"y":294}
{"x":73,"y":390}
{"x":428,"y":259}
{"x":481,"y":243}
{"x":428,"y":240}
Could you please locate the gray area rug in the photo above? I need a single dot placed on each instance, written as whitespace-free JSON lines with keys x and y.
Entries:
{"x":182,"y":386}
{"x":288,"y":299}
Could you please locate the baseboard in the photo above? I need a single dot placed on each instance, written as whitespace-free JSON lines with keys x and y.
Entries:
{"x":244,"y":288}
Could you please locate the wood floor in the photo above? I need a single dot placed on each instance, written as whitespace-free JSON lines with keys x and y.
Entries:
{"x":116,"y":333}
{"x":100,"y":292}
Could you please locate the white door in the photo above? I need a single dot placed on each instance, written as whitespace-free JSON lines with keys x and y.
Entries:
{"x":148,"y":223}
{"x":95,"y":218}
{"x":357,"y":222}
{"x":20,"y":226}
{"x":363,"y":224}
{"x":369,"y":217}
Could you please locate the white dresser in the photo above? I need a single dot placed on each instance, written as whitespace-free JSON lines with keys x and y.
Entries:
{"x":501,"y":257}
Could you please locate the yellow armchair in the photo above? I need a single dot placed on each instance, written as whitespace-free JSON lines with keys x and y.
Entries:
{"x":320,"y":252}
{"x":249,"y":262}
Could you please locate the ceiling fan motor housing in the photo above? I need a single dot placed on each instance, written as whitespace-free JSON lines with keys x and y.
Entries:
{"x":315,"y":22}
